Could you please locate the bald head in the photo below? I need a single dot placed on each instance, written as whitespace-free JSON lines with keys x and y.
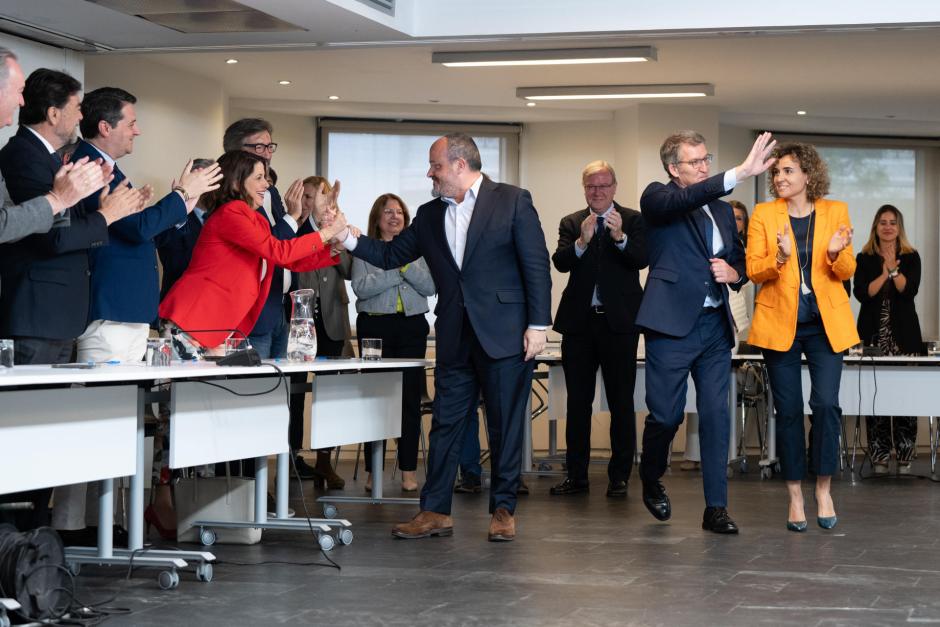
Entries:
{"x":12,"y":82}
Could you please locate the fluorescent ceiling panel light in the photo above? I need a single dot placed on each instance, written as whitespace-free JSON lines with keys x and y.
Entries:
{"x":614,"y":92}
{"x":558,"y":56}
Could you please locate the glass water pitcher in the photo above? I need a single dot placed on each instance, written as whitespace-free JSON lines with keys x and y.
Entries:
{"x":302,"y":341}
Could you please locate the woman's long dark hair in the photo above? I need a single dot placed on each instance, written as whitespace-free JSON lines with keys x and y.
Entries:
{"x":237,"y":166}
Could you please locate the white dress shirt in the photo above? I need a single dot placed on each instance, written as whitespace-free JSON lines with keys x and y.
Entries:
{"x":457,"y":220}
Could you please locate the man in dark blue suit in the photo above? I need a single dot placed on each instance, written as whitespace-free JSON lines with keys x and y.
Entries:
{"x":694,"y":258}
{"x":44,"y":303}
{"x":486,"y":251}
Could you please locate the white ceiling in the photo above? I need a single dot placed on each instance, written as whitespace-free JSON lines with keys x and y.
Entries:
{"x":878,"y":81}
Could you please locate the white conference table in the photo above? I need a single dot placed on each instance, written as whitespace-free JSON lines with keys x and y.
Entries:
{"x":870,"y":386}
{"x":53,"y":413}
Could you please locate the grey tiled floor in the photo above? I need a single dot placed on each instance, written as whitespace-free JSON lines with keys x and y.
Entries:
{"x":583,"y":560}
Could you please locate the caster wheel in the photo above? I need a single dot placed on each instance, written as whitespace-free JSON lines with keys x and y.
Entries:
{"x":326,"y":542}
{"x":345,"y":536}
{"x":330,"y":511}
{"x":74,"y":568}
{"x":776,"y":467}
{"x":207,"y":536}
{"x":204,"y":572}
{"x":766,"y":472}
{"x":168,"y":579}
{"x":743,"y":466}
{"x":729,"y":472}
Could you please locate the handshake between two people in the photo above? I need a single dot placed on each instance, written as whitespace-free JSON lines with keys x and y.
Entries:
{"x":322,"y":205}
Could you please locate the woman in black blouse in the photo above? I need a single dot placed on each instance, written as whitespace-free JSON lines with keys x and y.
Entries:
{"x":886,"y":281}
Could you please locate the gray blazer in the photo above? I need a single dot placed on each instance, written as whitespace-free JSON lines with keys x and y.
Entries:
{"x":330,"y":285}
{"x":18,"y":221}
{"x":377,"y":290}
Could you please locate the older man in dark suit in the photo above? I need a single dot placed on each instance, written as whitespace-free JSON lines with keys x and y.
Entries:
{"x":695,"y":256}
{"x":486,"y":251}
{"x":603,"y":247}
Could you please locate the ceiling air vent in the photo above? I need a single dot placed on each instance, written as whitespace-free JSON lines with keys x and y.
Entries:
{"x":385,"y":6}
{"x":200,"y":16}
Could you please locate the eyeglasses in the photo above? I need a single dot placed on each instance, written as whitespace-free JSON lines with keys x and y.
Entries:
{"x":598,"y":188}
{"x":261,"y":148}
{"x":695,"y":164}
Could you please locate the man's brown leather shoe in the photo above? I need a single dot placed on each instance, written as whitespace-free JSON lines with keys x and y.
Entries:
{"x":425,"y":525}
{"x":503,"y":526}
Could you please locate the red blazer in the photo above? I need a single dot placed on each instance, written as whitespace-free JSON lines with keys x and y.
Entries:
{"x":222,"y":288}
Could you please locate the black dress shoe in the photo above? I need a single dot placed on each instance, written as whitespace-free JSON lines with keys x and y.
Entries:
{"x":570,"y":486}
{"x":716,"y":519}
{"x":656,"y":500}
{"x":469,"y":484}
{"x":305,"y":470}
{"x":617,"y":489}
{"x":523,"y":489}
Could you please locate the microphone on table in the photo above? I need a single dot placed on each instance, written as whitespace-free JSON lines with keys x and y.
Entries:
{"x":242,"y":356}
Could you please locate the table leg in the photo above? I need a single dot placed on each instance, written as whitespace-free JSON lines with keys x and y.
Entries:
{"x":261,"y":489}
{"x":378,"y":456}
{"x":105,"y":517}
{"x":135,"y":520}
{"x":282,"y":484}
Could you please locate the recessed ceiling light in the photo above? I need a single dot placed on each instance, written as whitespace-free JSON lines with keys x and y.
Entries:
{"x":231,"y":61}
{"x":334,"y":97}
{"x":558,"y":56}
{"x":801,"y":112}
{"x":283,"y":82}
{"x":607,"y":92}
{"x":530,"y":104}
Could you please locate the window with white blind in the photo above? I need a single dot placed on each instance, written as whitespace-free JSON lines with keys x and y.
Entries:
{"x":371,"y":158}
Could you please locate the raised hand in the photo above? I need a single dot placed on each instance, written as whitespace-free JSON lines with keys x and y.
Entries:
{"x":336,"y":227}
{"x":292,"y":199}
{"x":840,"y":240}
{"x":587,"y":228}
{"x":784,"y":244}
{"x":198,"y":182}
{"x":758,"y":160}
{"x":75,"y":181}
{"x":120,"y":202}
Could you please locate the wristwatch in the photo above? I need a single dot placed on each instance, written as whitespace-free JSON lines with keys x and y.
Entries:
{"x":893,"y":272}
{"x":183,"y":193}
{"x":623,"y":238}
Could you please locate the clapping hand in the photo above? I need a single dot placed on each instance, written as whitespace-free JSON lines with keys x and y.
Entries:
{"x":77,"y":180}
{"x":840,"y":240}
{"x":784,"y":243}
{"x":588,"y":225}
{"x":197,"y":182}
{"x":120,"y":202}
{"x":292,"y":199}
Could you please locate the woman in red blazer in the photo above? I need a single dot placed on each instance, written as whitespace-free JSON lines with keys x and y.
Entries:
{"x":225,"y":286}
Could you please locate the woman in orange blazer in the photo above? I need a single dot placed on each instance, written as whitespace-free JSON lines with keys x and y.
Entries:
{"x":799,"y":251}
{"x":226,"y":283}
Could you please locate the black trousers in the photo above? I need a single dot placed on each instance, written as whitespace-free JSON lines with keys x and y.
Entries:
{"x":615,"y":354}
{"x":327,"y":347}
{"x":402,"y":336}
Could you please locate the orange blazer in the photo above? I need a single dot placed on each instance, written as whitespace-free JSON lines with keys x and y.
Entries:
{"x":775,"y":306}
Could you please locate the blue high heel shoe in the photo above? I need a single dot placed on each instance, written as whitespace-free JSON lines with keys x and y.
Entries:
{"x":799,"y":526}
{"x":827,"y":522}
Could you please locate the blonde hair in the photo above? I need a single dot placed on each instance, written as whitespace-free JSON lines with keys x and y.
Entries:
{"x":596,"y":167}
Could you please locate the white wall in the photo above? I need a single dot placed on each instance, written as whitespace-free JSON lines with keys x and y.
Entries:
{"x":181,"y":116}
{"x":33,"y":56}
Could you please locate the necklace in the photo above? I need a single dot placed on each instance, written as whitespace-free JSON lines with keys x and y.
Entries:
{"x":803,"y":264}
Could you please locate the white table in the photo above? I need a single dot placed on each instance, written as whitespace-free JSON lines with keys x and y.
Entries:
{"x":40,"y":406}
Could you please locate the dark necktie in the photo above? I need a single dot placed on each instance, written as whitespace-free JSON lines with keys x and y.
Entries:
{"x":713,"y":289}
{"x":598,"y":234}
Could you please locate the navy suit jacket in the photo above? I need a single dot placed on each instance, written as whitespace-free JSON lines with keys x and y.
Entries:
{"x":124,"y":279}
{"x":175,"y":249}
{"x":680,"y":272}
{"x":505,"y":283}
{"x":45,"y":276}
